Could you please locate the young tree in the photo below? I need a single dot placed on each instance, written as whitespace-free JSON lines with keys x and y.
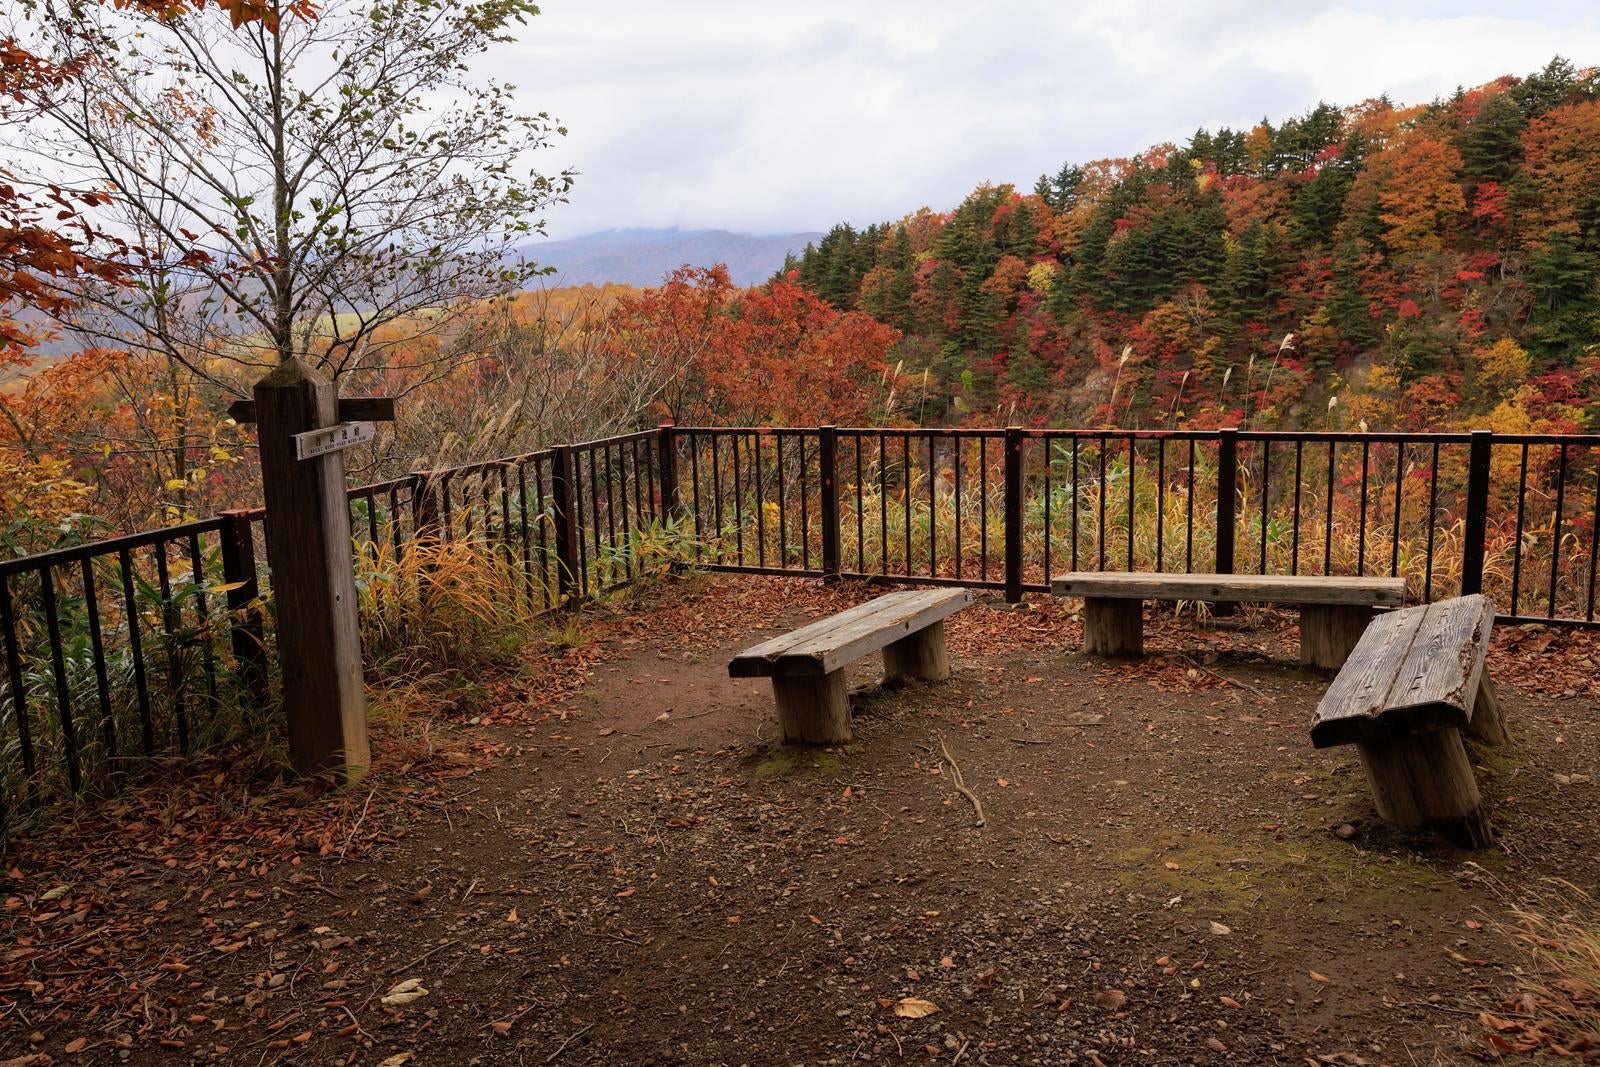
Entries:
{"x":296,"y":192}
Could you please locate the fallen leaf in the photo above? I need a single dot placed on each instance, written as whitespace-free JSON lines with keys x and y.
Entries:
{"x":1315,"y":977}
{"x":404,"y":993}
{"x":914,"y":1008}
{"x":1111,"y":999}
{"x":1219,"y":929}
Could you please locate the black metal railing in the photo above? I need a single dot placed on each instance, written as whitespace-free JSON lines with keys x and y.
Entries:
{"x":137,"y":647}
{"x":1510,"y":515}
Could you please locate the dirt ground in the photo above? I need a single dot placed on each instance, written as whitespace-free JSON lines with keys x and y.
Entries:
{"x":624,"y":868}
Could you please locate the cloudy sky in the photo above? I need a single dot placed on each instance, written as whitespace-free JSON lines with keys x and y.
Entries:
{"x":769,"y":118}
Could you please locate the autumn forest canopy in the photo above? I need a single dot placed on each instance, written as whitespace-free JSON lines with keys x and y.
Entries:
{"x":1403,"y":267}
{"x":173,"y":221}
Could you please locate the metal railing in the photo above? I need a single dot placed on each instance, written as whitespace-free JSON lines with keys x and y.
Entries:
{"x":128,"y":649}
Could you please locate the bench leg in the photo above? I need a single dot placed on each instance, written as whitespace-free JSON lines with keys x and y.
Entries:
{"x":1113,"y":626}
{"x":813,"y":708}
{"x":1488,"y":722}
{"x":1426,"y":780}
{"x":918,"y":655}
{"x":1329,"y":632}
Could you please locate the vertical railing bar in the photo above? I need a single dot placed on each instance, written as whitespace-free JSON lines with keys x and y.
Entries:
{"x":933,"y":510}
{"x":629,"y":557}
{"x":552,"y":587}
{"x":1433,"y":507}
{"x":19,"y":696}
{"x":1266,"y":475}
{"x":141,"y":682}
{"x":372,"y":519}
{"x":1044,"y":443}
{"x":1555,"y":536}
{"x":449,"y":507}
{"x":1594,"y":544}
{"x":1101,"y":537}
{"x":1161,"y":505}
{"x":97,"y":648}
{"x":861,"y":519}
{"x":905,"y":495}
{"x":761,"y":510}
{"x":983,"y":508}
{"x":1516,"y":552}
{"x":738,"y":501}
{"x":1076,"y":506}
{"x":58,"y":665}
{"x":805,"y":504}
{"x":716,"y":497}
{"x":884,"y":504}
{"x":394,"y":519}
{"x":527,"y":534}
{"x":208,"y":652}
{"x":1399,"y":488}
{"x":1133,"y":499}
{"x":175,"y":677}
{"x":1188,"y":519}
{"x":694,"y":480}
{"x":783,"y":503}
{"x":1327,"y":526}
{"x":1299,"y":456}
{"x":1361,"y":535}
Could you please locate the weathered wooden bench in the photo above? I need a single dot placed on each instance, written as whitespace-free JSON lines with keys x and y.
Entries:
{"x":807,"y":665}
{"x":1333,"y":610}
{"x":1414,"y":682}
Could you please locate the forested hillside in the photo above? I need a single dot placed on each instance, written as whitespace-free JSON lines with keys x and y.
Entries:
{"x":1406,"y":267}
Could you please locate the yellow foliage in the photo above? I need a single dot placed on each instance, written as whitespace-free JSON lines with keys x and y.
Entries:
{"x":1500,"y":368}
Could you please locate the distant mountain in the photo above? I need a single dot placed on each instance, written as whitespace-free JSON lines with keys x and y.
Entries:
{"x":642,"y":256}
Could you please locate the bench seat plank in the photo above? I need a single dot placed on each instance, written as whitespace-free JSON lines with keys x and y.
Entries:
{"x":1413,"y":671}
{"x":1227,"y":588}
{"x":829,"y":644}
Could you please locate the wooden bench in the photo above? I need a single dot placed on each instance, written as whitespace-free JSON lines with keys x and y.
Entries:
{"x":807,"y":665}
{"x":1333,"y":610}
{"x":1414,"y":682}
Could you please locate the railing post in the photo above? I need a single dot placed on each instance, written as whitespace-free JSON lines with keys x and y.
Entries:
{"x":313,"y":575}
{"x":667,"y":468}
{"x":1477,"y":512}
{"x":1227,"y":496}
{"x":564,"y":516}
{"x":827,"y":463}
{"x":247,"y":636}
{"x":1013,"y":508}
{"x":424,"y":506}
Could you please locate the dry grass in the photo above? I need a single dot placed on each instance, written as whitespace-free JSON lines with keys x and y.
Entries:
{"x":1557,"y":1006}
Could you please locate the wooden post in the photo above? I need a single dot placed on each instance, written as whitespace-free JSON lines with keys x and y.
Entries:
{"x":1488,"y":722}
{"x":1113,"y":626}
{"x":1426,"y":779}
{"x":246,"y":633}
{"x":1477,"y":512}
{"x":1330,"y":632}
{"x":813,"y":708}
{"x":827,"y":463}
{"x":564,"y":516}
{"x":1013,"y":508}
{"x":424,"y":507}
{"x":313,"y":575}
{"x":920,"y":655}
{"x":667,"y":469}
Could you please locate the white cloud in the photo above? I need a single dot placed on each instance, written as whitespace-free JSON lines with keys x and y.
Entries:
{"x":751,"y":116}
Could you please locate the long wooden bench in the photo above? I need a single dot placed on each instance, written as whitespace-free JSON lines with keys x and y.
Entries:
{"x":1413,"y":684}
{"x":807,"y":665}
{"x":1333,"y":610}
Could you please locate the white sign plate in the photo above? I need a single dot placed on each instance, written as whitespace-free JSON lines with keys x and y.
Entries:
{"x":315,"y":443}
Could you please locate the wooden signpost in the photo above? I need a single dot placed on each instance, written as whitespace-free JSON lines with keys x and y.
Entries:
{"x":307,"y":523}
